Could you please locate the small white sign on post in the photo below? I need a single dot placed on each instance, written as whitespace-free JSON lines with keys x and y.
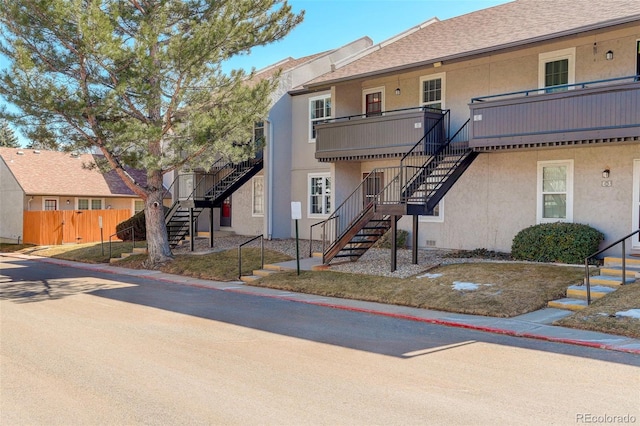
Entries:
{"x":296,"y":210}
{"x":100,"y":221}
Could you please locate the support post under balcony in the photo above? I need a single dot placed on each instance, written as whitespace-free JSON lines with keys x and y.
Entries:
{"x":211,"y":227}
{"x":414,"y":241}
{"x":191,"y":229}
{"x":394,"y":248}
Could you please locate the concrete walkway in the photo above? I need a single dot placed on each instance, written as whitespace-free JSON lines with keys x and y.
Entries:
{"x":535,"y":325}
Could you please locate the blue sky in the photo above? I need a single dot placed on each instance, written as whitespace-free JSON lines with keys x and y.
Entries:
{"x":329,"y":24}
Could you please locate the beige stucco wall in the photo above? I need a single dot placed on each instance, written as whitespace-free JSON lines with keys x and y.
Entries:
{"x":503,"y":72}
{"x":243,"y":222}
{"x":497,"y":196}
{"x":11,"y":201}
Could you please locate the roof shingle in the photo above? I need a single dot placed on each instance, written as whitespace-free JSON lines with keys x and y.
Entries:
{"x":60,"y":173}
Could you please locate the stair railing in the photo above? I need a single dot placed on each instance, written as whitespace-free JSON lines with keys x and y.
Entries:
{"x":431,"y":175}
{"x":587,"y":276}
{"x":240,"y":253}
{"x":311,"y":237}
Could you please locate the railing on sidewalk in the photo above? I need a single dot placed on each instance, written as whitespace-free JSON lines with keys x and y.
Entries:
{"x":240,"y":253}
{"x":133,"y":237}
{"x":624,"y":263}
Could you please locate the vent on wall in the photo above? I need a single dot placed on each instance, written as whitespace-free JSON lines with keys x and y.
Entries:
{"x":430,"y":243}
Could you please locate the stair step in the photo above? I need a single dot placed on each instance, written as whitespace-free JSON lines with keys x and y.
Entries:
{"x":249,"y":278}
{"x":264,"y":272}
{"x":580,"y":291}
{"x":139,"y":250}
{"x":617,"y":261}
{"x":568,"y":303}
{"x":125,"y":255}
{"x":272,"y":267}
{"x":616,"y":271}
{"x":609,"y":280}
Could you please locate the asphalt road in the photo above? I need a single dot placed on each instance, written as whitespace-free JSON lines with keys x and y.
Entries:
{"x":109,"y":349}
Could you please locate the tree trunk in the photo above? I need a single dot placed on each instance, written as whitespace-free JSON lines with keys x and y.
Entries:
{"x":157,"y":239}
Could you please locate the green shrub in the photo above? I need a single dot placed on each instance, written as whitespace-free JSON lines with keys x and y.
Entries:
{"x":135,"y":224}
{"x":385,"y":241}
{"x":556,"y":242}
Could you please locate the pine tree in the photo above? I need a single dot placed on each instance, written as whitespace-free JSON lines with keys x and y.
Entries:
{"x":7,"y":136}
{"x":140,"y":80}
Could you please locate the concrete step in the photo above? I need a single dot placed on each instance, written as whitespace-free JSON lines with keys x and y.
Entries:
{"x":568,"y":303}
{"x":609,"y":280}
{"x":264,"y":272}
{"x":249,"y":278}
{"x":316,"y":254}
{"x":617,"y":261}
{"x":139,"y":250}
{"x":125,"y":255}
{"x":616,"y":271}
{"x":273,"y":267}
{"x":580,"y":291}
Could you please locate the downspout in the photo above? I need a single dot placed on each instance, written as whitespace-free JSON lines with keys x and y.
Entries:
{"x":269,"y":171}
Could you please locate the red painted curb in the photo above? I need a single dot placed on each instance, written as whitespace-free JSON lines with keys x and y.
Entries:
{"x":368,"y":311}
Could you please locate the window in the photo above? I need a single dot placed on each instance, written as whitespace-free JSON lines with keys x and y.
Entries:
{"x":258,"y":196}
{"x":258,"y":132}
{"x":319,"y":111}
{"x":50,"y":204}
{"x":555,"y":191}
{"x":138,"y":206}
{"x":437,"y":216}
{"x":432,"y":91}
{"x":373,"y":101}
{"x":319,"y":194}
{"x":89,"y":204}
{"x":556,"y":69}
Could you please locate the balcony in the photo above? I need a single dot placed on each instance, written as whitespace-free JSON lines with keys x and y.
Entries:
{"x":359,"y":137}
{"x":604,"y":111}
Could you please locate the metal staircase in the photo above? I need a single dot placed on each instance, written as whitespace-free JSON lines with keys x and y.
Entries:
{"x":415,"y":187}
{"x":193,"y":192}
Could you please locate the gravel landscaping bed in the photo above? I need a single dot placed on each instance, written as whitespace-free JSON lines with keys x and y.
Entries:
{"x":376,"y":261}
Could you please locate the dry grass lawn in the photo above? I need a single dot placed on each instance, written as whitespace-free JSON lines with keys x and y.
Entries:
{"x":601,"y":314}
{"x":491,"y":289}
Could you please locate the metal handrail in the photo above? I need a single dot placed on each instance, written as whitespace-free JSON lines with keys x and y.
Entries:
{"x":382,"y":113}
{"x":624,"y":263}
{"x":311,"y":236}
{"x":133,"y":237}
{"x":540,"y":90}
{"x":240,"y":253}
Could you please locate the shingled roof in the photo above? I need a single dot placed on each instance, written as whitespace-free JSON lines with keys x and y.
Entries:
{"x":510,"y":24}
{"x":61,"y":173}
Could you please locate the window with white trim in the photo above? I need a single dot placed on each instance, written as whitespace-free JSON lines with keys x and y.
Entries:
{"x":319,"y":111}
{"x":437,"y":216}
{"x":258,"y":196}
{"x":89,"y":204}
{"x":555,"y":191}
{"x":319,"y":194}
{"x":557,"y":68}
{"x":50,"y":204}
{"x":138,"y":206}
{"x":432,"y":90}
{"x":373,"y":101}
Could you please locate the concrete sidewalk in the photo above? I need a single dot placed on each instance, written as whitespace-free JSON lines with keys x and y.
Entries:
{"x":535,"y":325}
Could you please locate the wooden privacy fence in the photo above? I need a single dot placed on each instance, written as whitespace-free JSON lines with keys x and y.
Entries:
{"x":70,"y":226}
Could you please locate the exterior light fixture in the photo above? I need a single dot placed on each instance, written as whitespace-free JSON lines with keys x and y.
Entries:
{"x":398,"y":88}
{"x":68,"y":202}
{"x":606,"y":173}
{"x":609,"y":55}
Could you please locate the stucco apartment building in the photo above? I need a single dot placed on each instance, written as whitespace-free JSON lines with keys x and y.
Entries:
{"x":462,"y":131}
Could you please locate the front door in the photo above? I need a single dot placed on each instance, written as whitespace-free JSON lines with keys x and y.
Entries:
{"x":372,"y":187}
{"x":225,"y":213}
{"x":636,"y":204}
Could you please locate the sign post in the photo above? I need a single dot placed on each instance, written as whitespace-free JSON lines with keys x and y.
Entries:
{"x":296,"y":213}
{"x":101,"y":236}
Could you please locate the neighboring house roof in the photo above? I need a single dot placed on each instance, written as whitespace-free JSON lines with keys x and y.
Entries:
{"x":284,"y":65}
{"x":508,"y":25}
{"x":61,"y":173}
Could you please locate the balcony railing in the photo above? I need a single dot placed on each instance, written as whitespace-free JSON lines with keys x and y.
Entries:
{"x":392,"y":133}
{"x":594,"y":110}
